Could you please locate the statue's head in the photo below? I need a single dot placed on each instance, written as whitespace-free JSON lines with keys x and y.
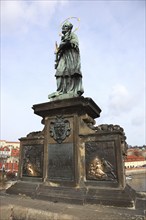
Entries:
{"x":67,"y":26}
{"x":96,"y":160}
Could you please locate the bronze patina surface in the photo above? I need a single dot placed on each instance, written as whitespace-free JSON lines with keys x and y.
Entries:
{"x":68,"y":66}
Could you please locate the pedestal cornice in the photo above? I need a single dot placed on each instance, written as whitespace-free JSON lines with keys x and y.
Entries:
{"x":77,"y":105}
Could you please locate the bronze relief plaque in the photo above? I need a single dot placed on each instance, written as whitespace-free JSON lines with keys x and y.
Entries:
{"x":100,"y":161}
{"x":61,"y":162}
{"x":32,"y":157}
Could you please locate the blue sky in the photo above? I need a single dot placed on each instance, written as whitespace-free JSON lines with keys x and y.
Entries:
{"x":112,"y":47}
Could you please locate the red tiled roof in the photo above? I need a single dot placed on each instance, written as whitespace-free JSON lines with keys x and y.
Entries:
{"x":134,"y":158}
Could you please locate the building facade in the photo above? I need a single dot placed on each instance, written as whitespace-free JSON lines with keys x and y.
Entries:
{"x":9,"y":156}
{"x":136,"y":157}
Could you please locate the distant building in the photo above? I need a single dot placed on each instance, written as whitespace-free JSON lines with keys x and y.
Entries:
{"x":9,"y":155}
{"x":133,"y":161}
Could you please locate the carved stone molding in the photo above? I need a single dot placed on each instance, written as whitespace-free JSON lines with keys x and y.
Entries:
{"x":36,"y":134}
{"x":109,"y":127}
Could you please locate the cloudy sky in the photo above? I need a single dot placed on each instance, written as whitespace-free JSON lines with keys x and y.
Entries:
{"x":112,"y":47}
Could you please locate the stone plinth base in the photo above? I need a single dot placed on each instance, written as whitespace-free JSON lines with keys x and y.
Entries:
{"x":105,"y":196}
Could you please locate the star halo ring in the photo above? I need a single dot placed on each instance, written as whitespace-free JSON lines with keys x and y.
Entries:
{"x":78,"y":19}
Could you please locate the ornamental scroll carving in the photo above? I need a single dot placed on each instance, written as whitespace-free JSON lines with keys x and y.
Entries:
{"x":60,"y":129}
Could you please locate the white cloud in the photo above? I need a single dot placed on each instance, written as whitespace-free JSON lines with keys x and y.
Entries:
{"x":12,"y":13}
{"x":18,"y":16}
{"x":120,"y":100}
{"x":138,"y":119}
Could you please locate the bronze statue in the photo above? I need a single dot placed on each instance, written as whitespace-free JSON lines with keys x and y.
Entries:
{"x":67,"y":64}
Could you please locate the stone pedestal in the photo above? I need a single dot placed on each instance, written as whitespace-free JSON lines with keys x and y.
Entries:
{"x":63,"y":147}
{"x":72,"y":160}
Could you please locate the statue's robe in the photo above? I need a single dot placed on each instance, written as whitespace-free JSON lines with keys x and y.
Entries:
{"x":68,"y":71}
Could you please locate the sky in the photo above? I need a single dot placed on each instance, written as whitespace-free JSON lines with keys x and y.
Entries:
{"x":112,"y":47}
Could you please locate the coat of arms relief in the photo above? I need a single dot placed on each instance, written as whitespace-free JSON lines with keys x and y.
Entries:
{"x":60,"y":129}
